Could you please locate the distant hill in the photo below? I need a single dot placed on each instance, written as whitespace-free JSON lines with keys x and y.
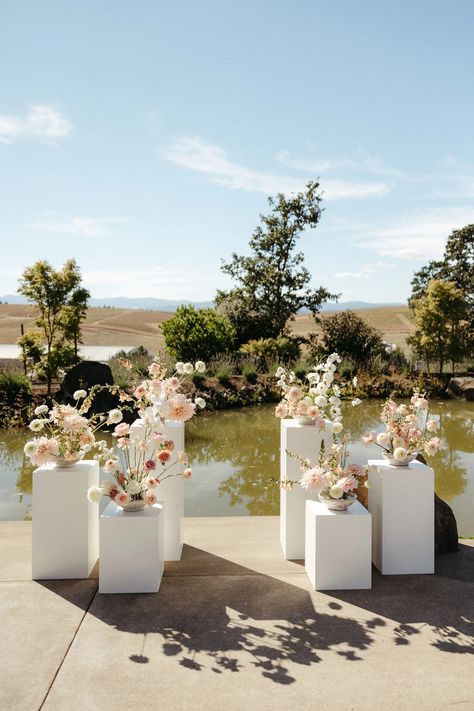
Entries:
{"x":149,"y":303}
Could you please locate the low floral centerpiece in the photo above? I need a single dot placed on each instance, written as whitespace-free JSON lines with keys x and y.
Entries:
{"x":66,"y":433}
{"x":409,"y":431}
{"x":141,"y":464}
{"x":332,"y":478}
{"x":314,"y":400}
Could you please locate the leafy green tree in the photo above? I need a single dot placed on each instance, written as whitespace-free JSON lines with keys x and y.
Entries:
{"x":62,"y":302}
{"x":349,"y":335}
{"x":441,"y":323}
{"x":272,"y":284}
{"x":197,"y":333}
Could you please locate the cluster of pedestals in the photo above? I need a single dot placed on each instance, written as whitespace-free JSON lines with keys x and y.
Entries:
{"x":396,"y":533}
{"x":69,"y":535}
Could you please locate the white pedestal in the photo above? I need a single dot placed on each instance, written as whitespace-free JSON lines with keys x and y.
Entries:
{"x":131,"y":550}
{"x":338,"y":547}
{"x":305,"y":441}
{"x":401,"y":501}
{"x":65,"y":524}
{"x":171,"y":491}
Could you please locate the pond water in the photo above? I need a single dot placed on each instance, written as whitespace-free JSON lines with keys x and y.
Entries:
{"x":235,"y":453}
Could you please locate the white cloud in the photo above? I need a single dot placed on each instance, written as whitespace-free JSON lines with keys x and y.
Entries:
{"x":40,"y":120}
{"x":422,"y":235}
{"x":195,"y":154}
{"x":364,"y":272}
{"x":82,"y":226}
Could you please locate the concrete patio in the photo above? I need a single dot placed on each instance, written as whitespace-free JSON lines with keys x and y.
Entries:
{"x":235,"y":626}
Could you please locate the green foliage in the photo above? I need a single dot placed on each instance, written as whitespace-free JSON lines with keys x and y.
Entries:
{"x":197,"y":379}
{"x":13,"y":384}
{"x":62,"y":305}
{"x":250,"y":373}
{"x":442,"y":332}
{"x":224,"y":372}
{"x":197,"y":334}
{"x":350,"y":336}
{"x":282,"y":349}
{"x":271,"y":284}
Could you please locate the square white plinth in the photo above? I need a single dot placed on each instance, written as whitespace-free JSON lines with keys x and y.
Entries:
{"x":338,"y":547}
{"x":305,"y":441}
{"x":131,"y":550}
{"x":171,"y":491}
{"x":401,"y":501}
{"x":65,"y":524}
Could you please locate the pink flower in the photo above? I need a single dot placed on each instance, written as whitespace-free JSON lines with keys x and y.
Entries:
{"x":140,"y":391}
{"x":187,"y":474}
{"x":150,"y":498}
{"x":169,"y":444}
{"x":174,"y":382}
{"x":154,"y":369}
{"x":313,"y":479}
{"x":164,"y":456}
{"x":313,"y":411}
{"x":294,"y":393}
{"x":151,"y":482}
{"x":281,"y":410}
{"x":122,"y":429}
{"x":369,"y":438}
{"x":355,"y":469}
{"x":182,"y":457}
{"x":431,"y":425}
{"x":122,"y":442}
{"x":46,"y":451}
{"x":150,"y":464}
{"x":122,"y":498}
{"x":158,"y":437}
{"x":302,"y":408}
{"x":179,"y":408}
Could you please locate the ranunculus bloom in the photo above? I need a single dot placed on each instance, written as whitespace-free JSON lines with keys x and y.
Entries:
{"x":169,"y":444}
{"x":151,"y":482}
{"x":313,"y":411}
{"x":400,"y":453}
{"x":281,"y":410}
{"x":150,"y":498}
{"x":336,"y":491}
{"x":164,"y":456}
{"x":122,"y":429}
{"x":122,"y":498}
{"x":187,"y":474}
{"x":150,"y":464}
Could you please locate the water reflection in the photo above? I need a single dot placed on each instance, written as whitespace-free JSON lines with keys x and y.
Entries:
{"x":235,"y":454}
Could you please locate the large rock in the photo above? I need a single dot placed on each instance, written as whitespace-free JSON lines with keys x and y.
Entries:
{"x":84,"y":376}
{"x":462,"y":387}
{"x":446,"y":529}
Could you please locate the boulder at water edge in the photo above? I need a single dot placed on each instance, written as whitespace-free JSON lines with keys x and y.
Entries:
{"x":446,"y":530}
{"x":85,"y":375}
{"x":462,"y":387}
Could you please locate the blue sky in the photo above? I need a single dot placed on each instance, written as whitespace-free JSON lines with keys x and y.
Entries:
{"x":142,"y":138}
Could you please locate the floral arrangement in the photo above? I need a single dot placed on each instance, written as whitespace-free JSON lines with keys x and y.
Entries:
{"x":332,"y":477}
{"x":408,"y":429}
{"x":142,"y":464}
{"x":160,"y":396}
{"x":66,"y":433}
{"x":318,"y":397}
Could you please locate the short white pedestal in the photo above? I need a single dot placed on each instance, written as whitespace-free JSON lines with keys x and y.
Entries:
{"x":171,"y":491}
{"x":131,"y":550}
{"x":401,"y":501}
{"x":65,"y":524}
{"x":305,"y":441}
{"x":338,"y":547}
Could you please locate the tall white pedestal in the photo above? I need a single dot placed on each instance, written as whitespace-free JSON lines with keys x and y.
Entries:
{"x":305,"y":441}
{"x":171,"y":491}
{"x":401,"y":501}
{"x":338,"y":547}
{"x":131,"y":550}
{"x":65,"y":524}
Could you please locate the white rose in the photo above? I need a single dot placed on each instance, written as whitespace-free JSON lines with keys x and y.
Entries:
{"x":336,"y":491}
{"x":200,"y":402}
{"x":94,"y":494}
{"x":383,"y":438}
{"x":200,"y":366}
{"x":188,"y":368}
{"x":79,"y":394}
{"x":398,"y":442}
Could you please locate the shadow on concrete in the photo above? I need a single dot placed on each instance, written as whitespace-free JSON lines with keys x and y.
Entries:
{"x":444,"y":602}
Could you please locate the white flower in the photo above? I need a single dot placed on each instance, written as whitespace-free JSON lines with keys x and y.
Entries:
{"x":400,"y":453}
{"x":383,"y":438}
{"x":279,"y":372}
{"x":94,"y":494}
{"x":133,"y":486}
{"x":79,"y":394}
{"x":115,"y":416}
{"x":336,"y":491}
{"x":37,"y":425}
{"x":337,"y":427}
{"x":328,"y":377}
{"x":200,"y":402}
{"x":321,"y":401}
{"x":188,"y":368}
{"x":30,"y":448}
{"x":108,"y":486}
{"x":354,"y":381}
{"x":432,"y":446}
{"x":179,"y":367}
{"x":398,"y":443}
{"x":356,"y":401}
{"x":200,"y":366}
{"x":41,"y":409}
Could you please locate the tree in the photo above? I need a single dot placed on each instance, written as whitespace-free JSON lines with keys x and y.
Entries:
{"x":197,"y":333}
{"x":272,"y":284}
{"x":62,"y":302}
{"x":441,"y":322}
{"x":350,"y":336}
